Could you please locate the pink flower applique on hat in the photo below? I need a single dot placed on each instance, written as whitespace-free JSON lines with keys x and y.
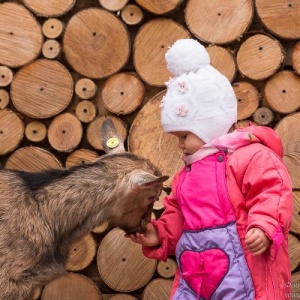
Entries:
{"x":181,"y":110}
{"x":182,"y":87}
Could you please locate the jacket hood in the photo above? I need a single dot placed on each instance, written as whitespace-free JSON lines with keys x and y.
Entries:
{"x":267,"y":136}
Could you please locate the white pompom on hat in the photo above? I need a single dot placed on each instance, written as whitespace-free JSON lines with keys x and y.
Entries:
{"x":199,"y":98}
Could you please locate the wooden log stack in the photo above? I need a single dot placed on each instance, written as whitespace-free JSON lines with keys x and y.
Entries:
{"x":67,"y":65}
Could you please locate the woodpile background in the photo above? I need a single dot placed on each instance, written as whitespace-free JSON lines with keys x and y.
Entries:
{"x":66,"y":65}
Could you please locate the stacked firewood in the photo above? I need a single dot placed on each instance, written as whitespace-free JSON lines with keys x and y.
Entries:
{"x":67,"y":65}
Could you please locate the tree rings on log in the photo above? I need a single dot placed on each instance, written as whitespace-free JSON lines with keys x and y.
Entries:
{"x":81,"y":156}
{"x":11,"y":131}
{"x":86,"y":111}
{"x":223,"y":60}
{"x":65,"y":132}
{"x":122,"y":297}
{"x":218,"y":22}
{"x":150,"y":46}
{"x":295,"y":228}
{"x":32,"y":159}
{"x":131,"y":14}
{"x":18,"y":45}
{"x":158,"y":289}
{"x":107,"y":39}
{"x":117,"y":256}
{"x":4,"y":98}
{"x":51,"y":49}
{"x":288,"y":130}
{"x":94,"y":130}
{"x":247,"y":99}
{"x":71,"y":286}
{"x":259,"y":57}
{"x":36,"y":131}
{"x":6,"y":76}
{"x":294,"y":246}
{"x":36,"y":100}
{"x":53,"y":28}
{"x":113,"y":5}
{"x":147,"y":138}
{"x":81,"y":254}
{"x":282,"y":92}
{"x":280,"y":17}
{"x":296,"y":57}
{"x":123,"y":93}
{"x":263,"y":116}
{"x":166,"y":269}
{"x":85,"y":88}
{"x":295,"y":284}
{"x":49,"y":8}
{"x":159,"y":7}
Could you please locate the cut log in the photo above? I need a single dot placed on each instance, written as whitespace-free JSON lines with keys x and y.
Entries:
{"x":101,"y":228}
{"x":259,"y":57}
{"x":113,"y":5}
{"x":131,"y":14}
{"x":94,"y":130}
{"x":37,"y":100}
{"x":85,"y":88}
{"x":295,"y":284}
{"x":223,"y":60}
{"x":107,"y":39}
{"x":282,"y":92}
{"x":11,"y":131}
{"x":158,"y":204}
{"x":21,"y":37}
{"x":159,"y":7}
{"x":166,"y":269}
{"x":247,"y":99}
{"x":296,"y":213}
{"x":81,"y":254}
{"x":296,"y":57}
{"x":86,"y":111}
{"x":6,"y":76}
{"x":150,"y":45}
{"x":158,"y":289}
{"x":36,"y":131}
{"x":32,"y":159}
{"x":280,"y":17}
{"x":218,"y":22}
{"x":51,"y":49}
{"x":117,"y":256}
{"x":4,"y":98}
{"x":122,"y":297}
{"x":53,"y":28}
{"x":147,"y":138}
{"x":81,"y":156}
{"x":288,"y":130}
{"x":71,"y":286}
{"x":294,"y":251}
{"x":65,"y":132}
{"x":263,"y":116}
{"x":36,"y":293}
{"x":123,"y":93}
{"x":49,"y":8}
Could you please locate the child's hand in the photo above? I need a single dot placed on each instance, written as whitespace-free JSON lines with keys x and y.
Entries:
{"x":149,"y":238}
{"x":256,"y":241}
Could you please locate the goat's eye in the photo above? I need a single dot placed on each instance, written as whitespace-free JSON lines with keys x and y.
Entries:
{"x":153,"y":198}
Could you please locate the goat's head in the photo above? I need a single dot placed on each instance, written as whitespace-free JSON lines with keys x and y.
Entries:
{"x":138,"y":184}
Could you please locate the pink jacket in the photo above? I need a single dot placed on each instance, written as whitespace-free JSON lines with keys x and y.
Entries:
{"x":201,"y":220}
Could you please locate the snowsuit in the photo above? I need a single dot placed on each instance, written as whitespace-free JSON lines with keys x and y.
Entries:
{"x":242,"y":183}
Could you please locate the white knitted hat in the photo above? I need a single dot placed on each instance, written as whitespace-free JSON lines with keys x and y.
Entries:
{"x":199,"y":98}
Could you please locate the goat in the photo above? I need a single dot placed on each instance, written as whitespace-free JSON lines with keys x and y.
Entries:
{"x":42,"y":214}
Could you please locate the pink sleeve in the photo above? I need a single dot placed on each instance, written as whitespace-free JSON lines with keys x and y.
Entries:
{"x":268,"y":192}
{"x":169,"y":227}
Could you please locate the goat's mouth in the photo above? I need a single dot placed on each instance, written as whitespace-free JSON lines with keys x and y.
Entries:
{"x":145,"y":219}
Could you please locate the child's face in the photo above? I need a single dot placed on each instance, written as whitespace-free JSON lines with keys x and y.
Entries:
{"x":188,"y":142}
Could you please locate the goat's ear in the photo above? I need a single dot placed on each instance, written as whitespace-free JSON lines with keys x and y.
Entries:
{"x":144,"y":179}
{"x":111,"y":141}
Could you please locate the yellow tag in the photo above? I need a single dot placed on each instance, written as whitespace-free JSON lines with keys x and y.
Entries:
{"x":112,"y":142}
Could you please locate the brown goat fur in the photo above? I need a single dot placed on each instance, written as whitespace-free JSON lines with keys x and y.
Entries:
{"x":43,"y":214}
